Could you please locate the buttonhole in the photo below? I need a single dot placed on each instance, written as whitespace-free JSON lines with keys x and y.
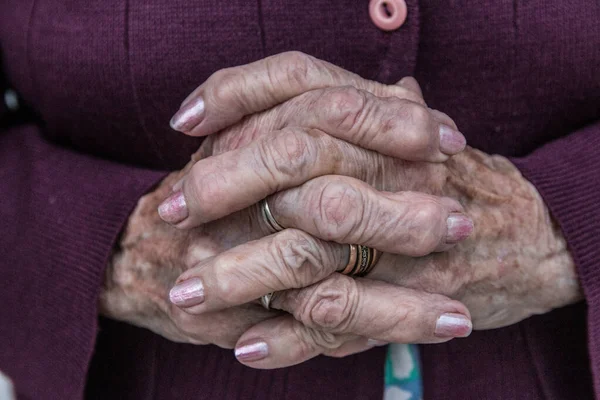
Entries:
{"x":387,"y":10}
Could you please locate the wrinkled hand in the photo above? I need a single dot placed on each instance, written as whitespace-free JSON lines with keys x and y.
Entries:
{"x":152,"y":254}
{"x":337,"y":123}
{"x":517,"y":264}
{"x":335,"y":315}
{"x":514,"y":266}
{"x":146,"y":262}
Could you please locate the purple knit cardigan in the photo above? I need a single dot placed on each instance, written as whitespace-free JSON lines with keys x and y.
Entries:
{"x":98,"y":82}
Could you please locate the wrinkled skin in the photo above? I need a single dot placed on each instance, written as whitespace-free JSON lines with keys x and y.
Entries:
{"x":515,"y":265}
{"x":149,"y":258}
{"x":151,"y":254}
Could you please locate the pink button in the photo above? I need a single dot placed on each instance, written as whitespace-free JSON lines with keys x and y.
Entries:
{"x":388,"y":15}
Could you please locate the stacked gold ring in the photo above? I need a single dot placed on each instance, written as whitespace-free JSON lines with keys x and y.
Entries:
{"x":362,"y":260}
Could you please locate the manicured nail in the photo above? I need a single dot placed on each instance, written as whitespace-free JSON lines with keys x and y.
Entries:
{"x":174,"y":209}
{"x":252,"y":351}
{"x":188,"y":116}
{"x":459,"y":226}
{"x":451,"y":141}
{"x":375,"y":342}
{"x":453,"y":325}
{"x":187,"y":293}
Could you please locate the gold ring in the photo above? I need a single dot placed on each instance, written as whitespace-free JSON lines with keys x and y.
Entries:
{"x":362,"y":260}
{"x":269,"y":218}
{"x":351,"y":261}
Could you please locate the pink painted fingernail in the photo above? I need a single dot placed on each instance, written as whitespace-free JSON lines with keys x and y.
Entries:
{"x":451,"y":141}
{"x":174,"y":209}
{"x":459,"y":226}
{"x":188,"y":116}
{"x":453,"y":325}
{"x":187,"y":293}
{"x":253,"y":351}
{"x":375,"y":342}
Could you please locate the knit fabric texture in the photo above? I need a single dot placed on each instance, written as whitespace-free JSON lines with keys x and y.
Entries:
{"x":98,"y":82}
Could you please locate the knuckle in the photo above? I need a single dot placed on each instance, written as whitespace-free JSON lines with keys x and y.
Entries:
{"x":224,"y":86}
{"x":227,"y":284}
{"x":331,"y":307}
{"x":418,"y":137}
{"x":344,"y":107}
{"x":289,"y":154}
{"x":205,"y":187}
{"x":301,"y":257}
{"x":299,"y":69}
{"x":427,"y":227}
{"x":418,"y":114}
{"x":339,"y":206}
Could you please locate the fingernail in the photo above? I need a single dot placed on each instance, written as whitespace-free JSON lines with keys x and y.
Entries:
{"x":252,"y":351}
{"x":375,"y":342}
{"x":459,"y":226}
{"x":174,"y":209}
{"x":188,"y":116}
{"x":187,"y":293}
{"x":453,"y":325}
{"x":451,"y":141}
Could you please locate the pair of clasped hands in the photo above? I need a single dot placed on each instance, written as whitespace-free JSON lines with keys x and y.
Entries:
{"x":467,"y":242}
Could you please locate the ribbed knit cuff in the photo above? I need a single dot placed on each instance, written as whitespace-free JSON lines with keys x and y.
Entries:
{"x":567,"y":175}
{"x":95,"y":210}
{"x":61,"y":213}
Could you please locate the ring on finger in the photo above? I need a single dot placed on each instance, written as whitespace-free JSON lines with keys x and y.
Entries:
{"x":266,"y":300}
{"x":362,"y":260}
{"x":269,"y":218}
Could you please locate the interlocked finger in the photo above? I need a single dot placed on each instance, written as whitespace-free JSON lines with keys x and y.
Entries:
{"x":337,"y":310}
{"x":346,"y":210}
{"x":285,"y":260}
{"x":230,"y":94}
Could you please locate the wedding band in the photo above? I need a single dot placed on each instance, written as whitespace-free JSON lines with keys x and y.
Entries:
{"x":266,"y":300}
{"x":362,"y":260}
{"x":269,"y":218}
{"x":351,"y":262}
